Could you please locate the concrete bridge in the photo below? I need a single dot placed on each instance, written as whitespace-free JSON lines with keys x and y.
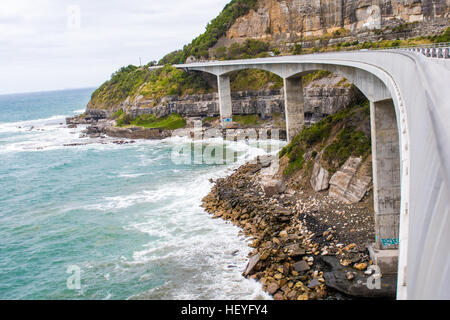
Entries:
{"x":409,"y":95}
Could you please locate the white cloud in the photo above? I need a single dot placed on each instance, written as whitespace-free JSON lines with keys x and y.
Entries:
{"x":39,"y":52}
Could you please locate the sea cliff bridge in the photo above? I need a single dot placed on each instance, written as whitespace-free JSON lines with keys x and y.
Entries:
{"x":409,"y":94}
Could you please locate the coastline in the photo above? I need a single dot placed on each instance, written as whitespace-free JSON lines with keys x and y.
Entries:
{"x":300,"y":249}
{"x":303,"y":247}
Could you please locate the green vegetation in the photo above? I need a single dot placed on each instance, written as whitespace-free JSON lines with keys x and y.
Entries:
{"x":405,"y":27}
{"x":117,"y":114}
{"x":308,"y":78}
{"x":209,"y":119}
{"x":152,"y":84}
{"x":297,"y":49}
{"x":249,"y":49}
{"x":123,"y":83}
{"x":348,"y":143}
{"x":169,"y":81}
{"x":255,"y":79}
{"x":247,"y":120}
{"x":171,"y":122}
{"x":341,"y":32}
{"x":199,"y":47}
{"x":349,"y":140}
{"x":444,"y":37}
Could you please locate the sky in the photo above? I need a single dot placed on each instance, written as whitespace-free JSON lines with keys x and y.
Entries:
{"x":59,"y":44}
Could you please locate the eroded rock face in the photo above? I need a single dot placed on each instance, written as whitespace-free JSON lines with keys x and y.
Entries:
{"x":322,"y":97}
{"x":290,"y":19}
{"x":319,"y":178}
{"x":347,"y":185}
{"x":136,"y":133}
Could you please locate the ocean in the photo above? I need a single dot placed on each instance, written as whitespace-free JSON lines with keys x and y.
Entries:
{"x":85,"y":218}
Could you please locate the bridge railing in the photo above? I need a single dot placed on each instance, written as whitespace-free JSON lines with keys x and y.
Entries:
{"x":437,"y":50}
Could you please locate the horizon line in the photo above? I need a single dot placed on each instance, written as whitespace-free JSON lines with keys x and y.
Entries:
{"x":45,"y":91}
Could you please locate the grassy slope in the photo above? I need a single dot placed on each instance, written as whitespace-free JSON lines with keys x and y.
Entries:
{"x":132,"y":81}
{"x":171,"y":122}
{"x":338,"y":137}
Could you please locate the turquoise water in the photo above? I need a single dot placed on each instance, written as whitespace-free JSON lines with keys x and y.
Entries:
{"x":125,"y":216}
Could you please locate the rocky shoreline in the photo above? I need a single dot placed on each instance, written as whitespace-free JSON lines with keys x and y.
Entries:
{"x":306,"y":244}
{"x":100,"y":128}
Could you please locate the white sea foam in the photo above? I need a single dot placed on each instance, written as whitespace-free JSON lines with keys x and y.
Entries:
{"x":196,"y":248}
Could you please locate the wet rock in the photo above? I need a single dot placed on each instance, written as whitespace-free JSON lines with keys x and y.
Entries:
{"x":136,"y":133}
{"x":337,"y":278}
{"x":251,"y":264}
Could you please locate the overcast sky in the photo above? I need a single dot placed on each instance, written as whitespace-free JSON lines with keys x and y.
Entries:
{"x":44,"y":46}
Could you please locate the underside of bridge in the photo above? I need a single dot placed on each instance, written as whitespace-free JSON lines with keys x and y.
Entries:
{"x":385,"y":141}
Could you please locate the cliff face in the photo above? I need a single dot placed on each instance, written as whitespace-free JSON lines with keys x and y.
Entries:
{"x":295,"y":19}
{"x":322,"y":97}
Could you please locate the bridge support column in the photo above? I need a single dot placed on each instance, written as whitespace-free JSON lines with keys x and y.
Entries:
{"x":386,"y":186}
{"x":225,"y":104}
{"x":293,"y":100}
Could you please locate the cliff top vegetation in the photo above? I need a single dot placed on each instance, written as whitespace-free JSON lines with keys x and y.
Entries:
{"x":199,"y":47}
{"x":336,"y":138}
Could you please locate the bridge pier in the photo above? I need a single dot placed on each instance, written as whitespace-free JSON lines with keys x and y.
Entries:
{"x":225,"y":104}
{"x":386,"y":186}
{"x":294,"y":106}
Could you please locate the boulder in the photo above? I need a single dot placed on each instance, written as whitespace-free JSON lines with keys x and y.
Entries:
{"x":301,"y":266}
{"x":272,"y":288}
{"x":319,"y":178}
{"x":251,"y":264}
{"x":136,"y":133}
{"x":272,"y":187}
{"x":354,"y":283}
{"x":346,"y":185}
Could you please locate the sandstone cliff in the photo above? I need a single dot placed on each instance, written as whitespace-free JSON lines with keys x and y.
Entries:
{"x":292,"y":20}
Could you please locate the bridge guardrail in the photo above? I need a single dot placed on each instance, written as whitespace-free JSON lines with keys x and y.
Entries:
{"x":437,"y":50}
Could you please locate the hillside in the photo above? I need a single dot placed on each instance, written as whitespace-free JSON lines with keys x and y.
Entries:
{"x":260,"y":28}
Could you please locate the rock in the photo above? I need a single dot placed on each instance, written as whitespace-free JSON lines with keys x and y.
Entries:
{"x":294,"y":251}
{"x":350,"y":276}
{"x":336,"y":278}
{"x":346,"y":262}
{"x":283,"y":234}
{"x":301,"y":266}
{"x":278,"y":20}
{"x":319,"y":178}
{"x":361,"y":266}
{"x":303,"y":297}
{"x":265,"y":160}
{"x":272,"y":288}
{"x":251,"y":264}
{"x":273,"y":187}
{"x":278,"y":296}
{"x":350,"y":247}
{"x":314,"y":283}
{"x":136,"y":133}
{"x":346,"y":185}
